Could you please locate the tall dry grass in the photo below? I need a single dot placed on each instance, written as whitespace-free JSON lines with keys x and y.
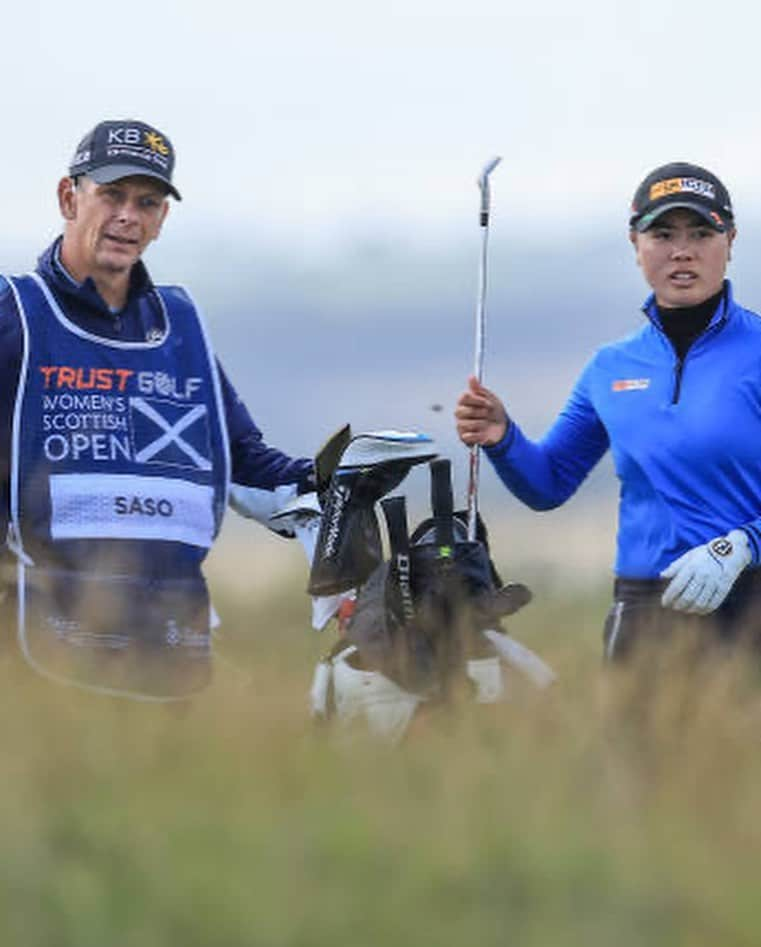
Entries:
{"x":616,"y":810}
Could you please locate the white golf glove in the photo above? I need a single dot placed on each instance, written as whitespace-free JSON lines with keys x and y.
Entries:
{"x":256,"y":503}
{"x":701,"y":578}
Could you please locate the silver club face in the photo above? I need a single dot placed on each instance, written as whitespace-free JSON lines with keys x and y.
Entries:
{"x":487,"y":170}
{"x":483,"y":183}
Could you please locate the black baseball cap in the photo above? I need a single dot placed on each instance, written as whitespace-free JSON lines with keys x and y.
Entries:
{"x":121,"y":148}
{"x":681,"y":184}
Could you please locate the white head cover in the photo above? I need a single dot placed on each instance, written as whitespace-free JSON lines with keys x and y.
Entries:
{"x":380,"y":447}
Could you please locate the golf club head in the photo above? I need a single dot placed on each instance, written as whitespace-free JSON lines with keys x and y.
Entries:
{"x":483,"y":184}
{"x":483,"y":178}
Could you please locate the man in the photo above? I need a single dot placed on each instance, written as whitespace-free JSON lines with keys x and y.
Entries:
{"x":119,"y":435}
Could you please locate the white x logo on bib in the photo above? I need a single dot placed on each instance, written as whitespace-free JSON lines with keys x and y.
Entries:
{"x":171,"y":432}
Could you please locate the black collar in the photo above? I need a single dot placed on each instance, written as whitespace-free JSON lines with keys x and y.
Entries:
{"x":683,"y":325}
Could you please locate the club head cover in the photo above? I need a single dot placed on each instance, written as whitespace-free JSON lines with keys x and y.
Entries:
{"x":328,"y":456}
{"x":348,"y":544}
{"x":380,"y":447}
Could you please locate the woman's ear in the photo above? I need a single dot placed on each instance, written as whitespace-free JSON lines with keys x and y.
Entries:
{"x":634,"y":239}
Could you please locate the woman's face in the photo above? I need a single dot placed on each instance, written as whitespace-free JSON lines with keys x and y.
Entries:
{"x":683,"y":258}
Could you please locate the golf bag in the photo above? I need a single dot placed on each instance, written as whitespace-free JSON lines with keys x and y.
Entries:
{"x":422,"y":613}
{"x":425,"y":621}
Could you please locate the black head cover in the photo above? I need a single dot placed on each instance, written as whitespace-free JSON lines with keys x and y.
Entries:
{"x":370,"y":466}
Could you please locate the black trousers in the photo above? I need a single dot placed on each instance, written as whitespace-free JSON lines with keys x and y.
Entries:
{"x":637,"y":620}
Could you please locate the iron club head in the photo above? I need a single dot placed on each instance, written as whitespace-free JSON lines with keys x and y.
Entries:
{"x":483,"y":184}
{"x":487,"y":170}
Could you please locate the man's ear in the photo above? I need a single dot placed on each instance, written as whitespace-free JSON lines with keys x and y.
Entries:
{"x":67,"y":198}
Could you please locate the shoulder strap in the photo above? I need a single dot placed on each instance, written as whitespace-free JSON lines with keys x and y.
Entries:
{"x":442,"y":503}
{"x":395,"y":514}
{"x":400,"y":576}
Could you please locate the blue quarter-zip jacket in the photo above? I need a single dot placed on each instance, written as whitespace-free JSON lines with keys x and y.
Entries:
{"x":685,"y":438}
{"x":254,"y":463}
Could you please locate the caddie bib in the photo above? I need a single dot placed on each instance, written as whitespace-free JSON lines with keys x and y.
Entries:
{"x":119,"y":478}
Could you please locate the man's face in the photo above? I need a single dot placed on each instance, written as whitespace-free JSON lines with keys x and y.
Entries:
{"x":108,"y":226}
{"x":683,"y":258}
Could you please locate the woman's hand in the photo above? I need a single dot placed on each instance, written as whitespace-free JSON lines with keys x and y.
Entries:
{"x":480,"y":415}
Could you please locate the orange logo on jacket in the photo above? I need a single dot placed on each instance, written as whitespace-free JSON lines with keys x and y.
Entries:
{"x":85,"y":379}
{"x":630,"y":384}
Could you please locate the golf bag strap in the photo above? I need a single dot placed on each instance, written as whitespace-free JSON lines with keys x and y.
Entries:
{"x":398,"y":587}
{"x":442,"y":502}
{"x":395,"y":514}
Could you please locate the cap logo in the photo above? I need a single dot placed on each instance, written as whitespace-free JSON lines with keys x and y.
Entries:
{"x":156,"y":143}
{"x":129,"y":143}
{"x":124,"y":136}
{"x":140,"y":143}
{"x":81,"y":157}
{"x":694,"y":186}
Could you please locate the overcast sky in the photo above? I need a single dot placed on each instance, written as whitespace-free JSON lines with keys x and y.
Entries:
{"x":303,"y":124}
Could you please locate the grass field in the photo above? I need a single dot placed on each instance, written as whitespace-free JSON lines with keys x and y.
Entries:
{"x":611,"y":812}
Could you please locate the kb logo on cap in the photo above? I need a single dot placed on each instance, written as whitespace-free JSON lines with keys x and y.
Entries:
{"x":136,"y":137}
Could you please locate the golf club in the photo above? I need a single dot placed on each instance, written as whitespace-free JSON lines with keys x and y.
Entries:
{"x":478,"y":370}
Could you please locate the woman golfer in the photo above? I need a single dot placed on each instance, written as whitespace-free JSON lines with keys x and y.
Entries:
{"x":678,"y":403}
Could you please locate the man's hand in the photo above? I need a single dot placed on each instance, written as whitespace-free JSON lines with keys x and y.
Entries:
{"x":481,"y":416}
{"x":702,"y":578}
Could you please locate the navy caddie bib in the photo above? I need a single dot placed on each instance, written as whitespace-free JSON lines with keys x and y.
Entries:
{"x":119,"y":480}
